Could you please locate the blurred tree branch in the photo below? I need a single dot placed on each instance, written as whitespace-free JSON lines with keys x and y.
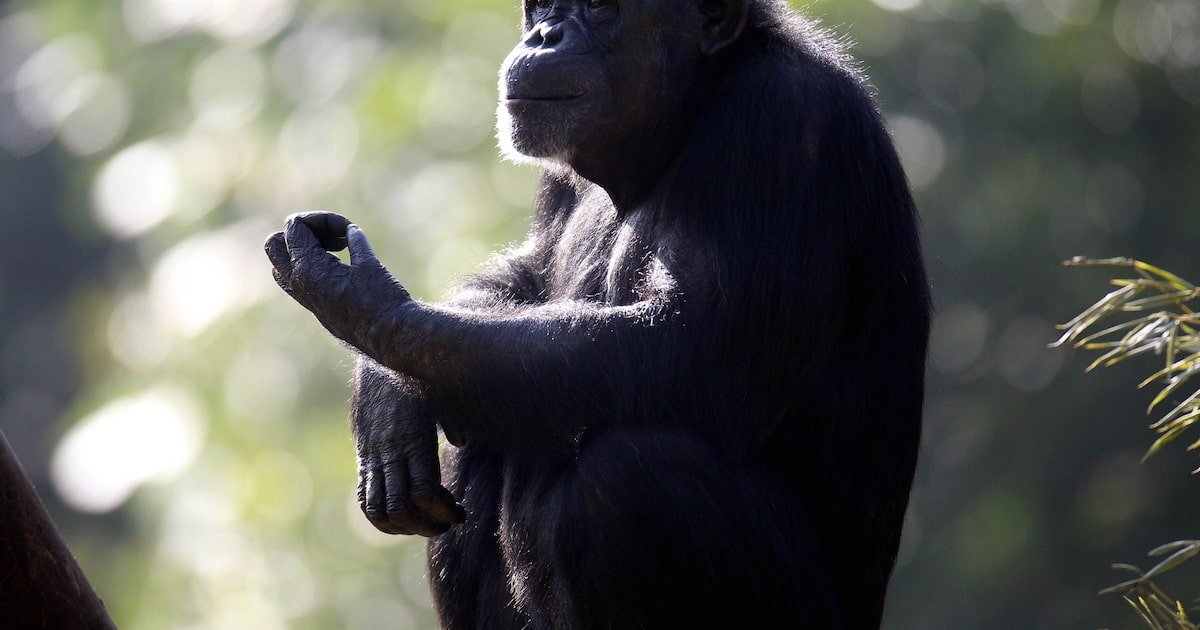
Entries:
{"x":41,"y":586}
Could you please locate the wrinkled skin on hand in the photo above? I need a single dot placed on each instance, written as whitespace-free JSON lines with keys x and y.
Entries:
{"x":399,"y":485}
{"x":399,"y":479}
{"x":348,"y":299}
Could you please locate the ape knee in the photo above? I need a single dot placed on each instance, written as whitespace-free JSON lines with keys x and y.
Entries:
{"x":655,"y":528}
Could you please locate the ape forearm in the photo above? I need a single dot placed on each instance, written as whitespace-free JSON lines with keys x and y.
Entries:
{"x":511,"y":282}
{"x":579,"y":352}
{"x":569,"y":351}
{"x":375,"y":387}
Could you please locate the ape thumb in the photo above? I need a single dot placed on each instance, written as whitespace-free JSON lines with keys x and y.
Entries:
{"x":360,"y":248}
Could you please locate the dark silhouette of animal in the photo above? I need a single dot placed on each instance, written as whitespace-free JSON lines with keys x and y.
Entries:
{"x":692,"y":398}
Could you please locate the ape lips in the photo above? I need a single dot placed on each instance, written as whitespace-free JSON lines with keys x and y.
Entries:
{"x":692,"y":397}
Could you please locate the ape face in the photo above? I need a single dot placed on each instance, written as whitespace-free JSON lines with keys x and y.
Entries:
{"x":593,"y":79}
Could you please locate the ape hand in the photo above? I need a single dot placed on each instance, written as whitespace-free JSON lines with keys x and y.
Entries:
{"x":349,"y":300}
{"x":399,"y":481}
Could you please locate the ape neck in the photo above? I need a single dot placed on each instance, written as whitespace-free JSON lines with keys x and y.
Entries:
{"x":630,"y":168}
{"x":629,"y":178}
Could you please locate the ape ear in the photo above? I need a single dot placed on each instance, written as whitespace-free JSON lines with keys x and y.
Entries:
{"x":722,"y":22}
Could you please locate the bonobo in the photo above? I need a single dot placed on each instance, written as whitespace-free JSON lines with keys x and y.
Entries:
{"x":692,"y":398}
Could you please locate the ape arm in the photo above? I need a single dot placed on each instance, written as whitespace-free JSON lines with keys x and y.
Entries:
{"x":489,"y":354}
{"x":514,"y":280}
{"x":399,"y":479}
{"x":399,"y":476}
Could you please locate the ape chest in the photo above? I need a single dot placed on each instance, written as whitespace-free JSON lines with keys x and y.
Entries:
{"x":599,"y":258}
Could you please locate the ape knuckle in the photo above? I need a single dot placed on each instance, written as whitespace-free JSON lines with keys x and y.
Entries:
{"x":399,"y":509}
{"x":422,"y":492}
{"x":300,"y":277}
{"x":374,"y":513}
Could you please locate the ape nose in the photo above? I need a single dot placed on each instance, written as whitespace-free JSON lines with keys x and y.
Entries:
{"x":552,"y":35}
{"x":545,"y":35}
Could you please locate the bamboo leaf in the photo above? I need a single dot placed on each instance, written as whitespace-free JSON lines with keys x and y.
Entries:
{"x":1163,"y":440}
{"x":1189,"y":404}
{"x":1170,"y":368}
{"x":1165,"y":275}
{"x":1161,"y":610}
{"x":1122,"y":587}
{"x":1172,"y":546}
{"x":1108,"y":358}
{"x":1139,"y":611}
{"x":1133,"y":353}
{"x":1108,"y":331}
{"x":1173,"y":384}
{"x":1141,"y":333}
{"x":1150,"y":613}
{"x":1174,"y":560}
{"x":1158,"y":301}
{"x":1084,"y":261}
{"x":1182,"y":422}
{"x":1093,"y":313}
{"x":1173,"y":337}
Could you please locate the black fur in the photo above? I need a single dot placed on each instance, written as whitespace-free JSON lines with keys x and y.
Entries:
{"x":700,"y":408}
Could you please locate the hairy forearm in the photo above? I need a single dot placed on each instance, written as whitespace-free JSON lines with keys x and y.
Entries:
{"x":440,"y":343}
{"x":511,"y":285}
{"x":568,"y":352}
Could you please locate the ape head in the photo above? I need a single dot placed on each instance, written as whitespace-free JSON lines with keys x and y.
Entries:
{"x":594,"y":80}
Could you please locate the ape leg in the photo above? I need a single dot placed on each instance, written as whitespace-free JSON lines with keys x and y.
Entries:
{"x":652,"y":528}
{"x":466,"y":571}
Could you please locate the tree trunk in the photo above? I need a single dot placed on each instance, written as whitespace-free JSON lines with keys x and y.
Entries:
{"x":41,"y":585}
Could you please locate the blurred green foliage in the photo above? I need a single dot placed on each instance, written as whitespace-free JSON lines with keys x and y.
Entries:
{"x":185,"y":420}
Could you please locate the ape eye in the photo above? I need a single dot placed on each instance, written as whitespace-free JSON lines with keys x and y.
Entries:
{"x":602,"y":9}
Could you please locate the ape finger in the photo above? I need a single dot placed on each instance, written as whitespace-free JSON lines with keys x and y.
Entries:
{"x":329,"y":228}
{"x":360,"y":247}
{"x":302,"y":243}
{"x":277,"y":253}
{"x":373,"y":501}
{"x":427,"y":493}
{"x":362,"y":491}
{"x":400,"y":509}
{"x":440,"y":504}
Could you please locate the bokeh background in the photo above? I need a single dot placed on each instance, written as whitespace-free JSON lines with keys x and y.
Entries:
{"x":186,"y":423}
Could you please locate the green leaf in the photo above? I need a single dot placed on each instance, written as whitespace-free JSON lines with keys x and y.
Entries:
{"x":1172,"y":546}
{"x":1141,"y":612}
{"x":1122,"y":587}
{"x":1189,"y":404}
{"x":1158,"y":301}
{"x":1174,"y":560}
{"x":1175,"y":382}
{"x":1165,"y":275}
{"x":1165,"y":439}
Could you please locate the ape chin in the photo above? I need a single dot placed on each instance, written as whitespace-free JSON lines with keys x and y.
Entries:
{"x":541,"y":144}
{"x":692,"y":398}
